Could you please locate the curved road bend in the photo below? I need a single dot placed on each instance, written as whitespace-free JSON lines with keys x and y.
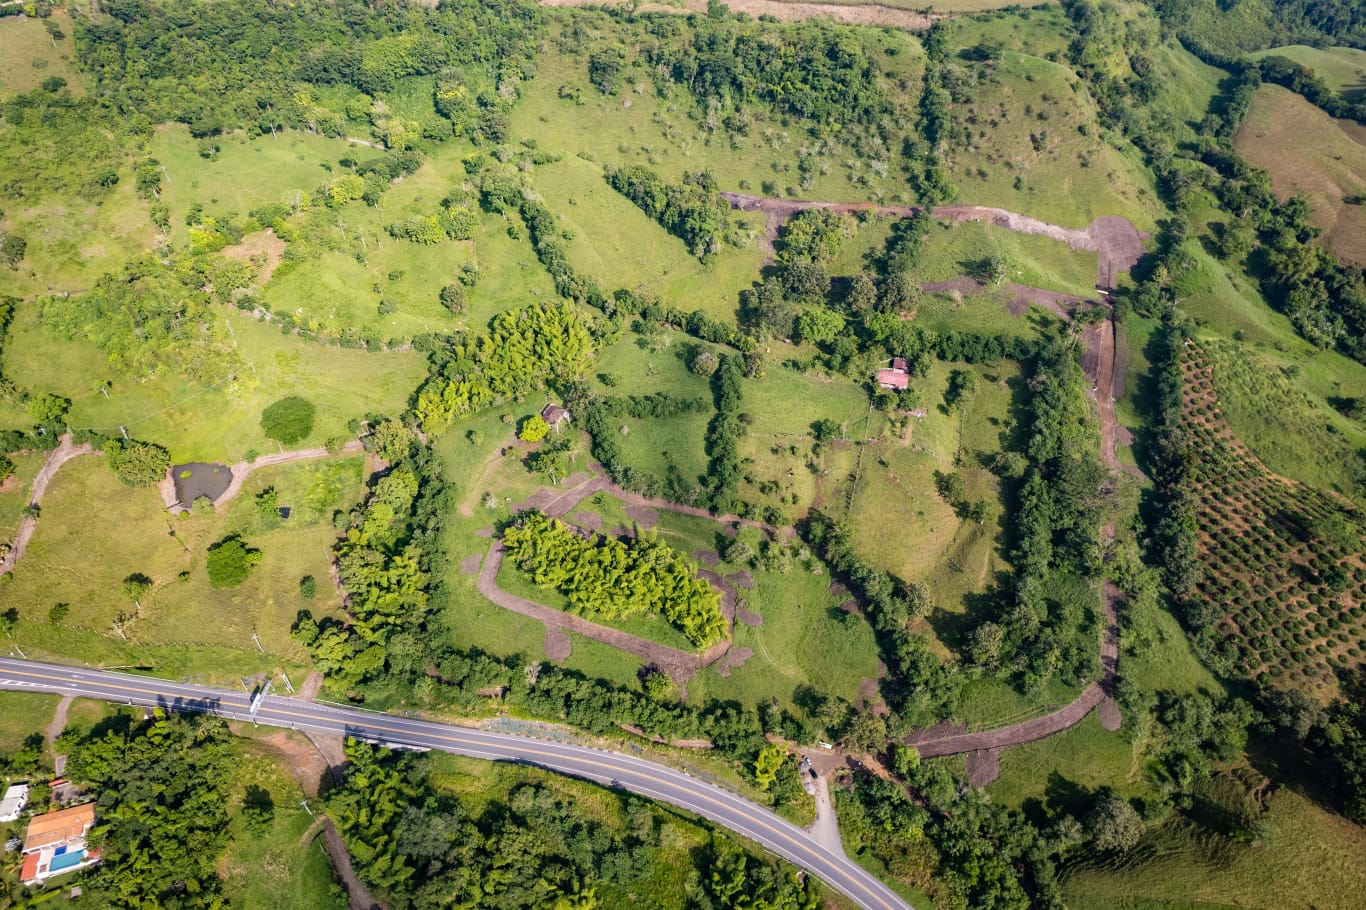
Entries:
{"x":599,"y":765}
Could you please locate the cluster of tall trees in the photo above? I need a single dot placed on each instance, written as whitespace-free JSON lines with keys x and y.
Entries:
{"x":1325,"y":300}
{"x":1304,"y":81}
{"x":957,"y":845}
{"x":536,"y":846}
{"x":724,"y":433}
{"x":814,"y":72}
{"x":391,"y":564}
{"x":692,"y":210}
{"x":615,"y":579}
{"x":1049,"y":631}
{"x":813,"y":236}
{"x":919,"y":686}
{"x":522,"y":349}
{"x":1257,"y":24}
{"x":136,"y":463}
{"x":161,"y":809}
{"x":220,"y":67}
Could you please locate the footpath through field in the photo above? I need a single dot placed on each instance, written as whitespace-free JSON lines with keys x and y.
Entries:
{"x":65,"y":451}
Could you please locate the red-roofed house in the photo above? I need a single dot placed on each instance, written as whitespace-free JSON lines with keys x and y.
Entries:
{"x":899,"y":363}
{"x":55,"y":843}
{"x":898,"y":380}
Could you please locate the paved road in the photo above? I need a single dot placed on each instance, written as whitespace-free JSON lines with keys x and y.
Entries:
{"x":614,"y":769}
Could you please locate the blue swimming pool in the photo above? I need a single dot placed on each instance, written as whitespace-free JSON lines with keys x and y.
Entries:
{"x":66,"y":860}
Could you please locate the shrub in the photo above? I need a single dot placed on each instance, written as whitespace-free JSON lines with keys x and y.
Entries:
{"x":533,"y":429}
{"x":308,"y":587}
{"x":288,"y":420}
{"x":230,"y":562}
{"x":137,"y":464}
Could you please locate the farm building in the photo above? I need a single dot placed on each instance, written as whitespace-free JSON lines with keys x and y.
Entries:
{"x":55,"y":843}
{"x":897,"y":380}
{"x":555,"y":415}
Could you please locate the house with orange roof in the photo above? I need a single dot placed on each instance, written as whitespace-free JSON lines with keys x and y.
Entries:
{"x":55,"y":844}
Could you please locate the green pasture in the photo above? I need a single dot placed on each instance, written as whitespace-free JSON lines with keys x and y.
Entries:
{"x":95,"y":532}
{"x":1343,"y":68}
{"x":31,"y":55}
{"x":901,"y":522}
{"x":1157,"y":655}
{"x":21,"y":715}
{"x":213,"y":421}
{"x":245,"y":172}
{"x":1087,"y":755}
{"x":16,"y":491}
{"x":637,"y":127}
{"x":220,"y":665}
{"x":1309,"y":857}
{"x":989,"y":701}
{"x":985,"y":312}
{"x":781,"y":461}
{"x":642,"y":366}
{"x":952,"y":248}
{"x":618,"y":245}
{"x":1041,"y":31}
{"x":280,"y":865}
{"x":73,"y":241}
{"x":1072,"y":177}
{"x":1132,"y":338}
{"x":805,"y":640}
{"x":1186,"y":85}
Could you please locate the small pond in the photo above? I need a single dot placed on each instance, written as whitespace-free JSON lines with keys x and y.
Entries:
{"x":198,"y":479}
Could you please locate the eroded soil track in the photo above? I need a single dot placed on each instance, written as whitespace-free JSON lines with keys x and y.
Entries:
{"x":1114,"y":238}
{"x":64,"y":452}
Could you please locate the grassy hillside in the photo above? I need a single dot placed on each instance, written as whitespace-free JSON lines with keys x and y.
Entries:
{"x":33,"y":55}
{"x":1303,"y":857}
{"x":1023,"y":141}
{"x":1343,"y":68}
{"x":1327,"y":170}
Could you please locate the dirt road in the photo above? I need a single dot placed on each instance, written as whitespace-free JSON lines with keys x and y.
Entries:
{"x":64,"y":452}
{"x":1119,"y":246}
{"x":933,"y":743}
{"x":1117,"y":242}
{"x":358,"y":896}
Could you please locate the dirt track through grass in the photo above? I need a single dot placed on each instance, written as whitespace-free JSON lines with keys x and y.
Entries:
{"x":64,"y":452}
{"x":1114,"y":237}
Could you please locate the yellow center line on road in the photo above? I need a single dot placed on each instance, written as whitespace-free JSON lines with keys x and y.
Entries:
{"x":586,"y":760}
